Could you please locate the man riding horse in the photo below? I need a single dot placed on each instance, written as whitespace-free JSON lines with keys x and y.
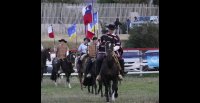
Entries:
{"x":61,"y":54}
{"x":61,"y":61}
{"x":82,"y":49}
{"x":92,"y":49}
{"x":61,"y":51}
{"x":110,"y":37}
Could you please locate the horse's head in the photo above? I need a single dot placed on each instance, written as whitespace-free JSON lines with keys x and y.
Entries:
{"x":109,"y":50}
{"x":48,"y":53}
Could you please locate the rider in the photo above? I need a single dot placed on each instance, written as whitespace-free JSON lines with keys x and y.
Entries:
{"x":83,"y":50}
{"x":110,"y":36}
{"x":61,"y":52}
{"x":92,"y":49}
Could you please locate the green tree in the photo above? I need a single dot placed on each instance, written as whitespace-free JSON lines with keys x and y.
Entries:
{"x":145,"y":36}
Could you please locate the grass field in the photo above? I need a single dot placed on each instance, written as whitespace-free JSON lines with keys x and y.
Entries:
{"x":133,"y":89}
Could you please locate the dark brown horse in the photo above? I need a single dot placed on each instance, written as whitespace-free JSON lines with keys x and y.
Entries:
{"x":90,"y":82}
{"x":45,"y":54}
{"x":109,"y":73}
{"x":81,"y":69}
{"x":66,"y":67}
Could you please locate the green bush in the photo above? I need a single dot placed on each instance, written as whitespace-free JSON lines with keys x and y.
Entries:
{"x":123,"y":28}
{"x":145,"y":36}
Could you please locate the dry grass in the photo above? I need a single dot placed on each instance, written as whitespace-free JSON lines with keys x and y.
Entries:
{"x":49,"y":42}
{"x":132,"y":90}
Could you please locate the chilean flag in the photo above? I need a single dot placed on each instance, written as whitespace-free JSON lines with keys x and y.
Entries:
{"x":90,"y":31}
{"x":50,"y":31}
{"x":87,"y":14}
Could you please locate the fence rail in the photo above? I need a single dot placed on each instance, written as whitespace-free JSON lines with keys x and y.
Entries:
{"x":53,"y":13}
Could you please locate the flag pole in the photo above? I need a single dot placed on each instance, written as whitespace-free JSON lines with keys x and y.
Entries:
{"x":94,"y":33}
{"x":93,"y":17}
{"x":54,"y":43}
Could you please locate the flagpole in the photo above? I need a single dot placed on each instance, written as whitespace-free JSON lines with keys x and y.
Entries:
{"x":93,"y":17}
{"x":85,"y":31}
{"x":54,"y":39}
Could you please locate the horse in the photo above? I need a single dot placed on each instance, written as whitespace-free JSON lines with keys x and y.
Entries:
{"x":91,"y":81}
{"x":45,"y":54}
{"x":109,"y":73}
{"x":66,"y":67}
{"x":81,"y":69}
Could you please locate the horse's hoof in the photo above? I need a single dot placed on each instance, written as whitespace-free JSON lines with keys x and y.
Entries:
{"x":113,"y":96}
{"x":69,"y":85}
{"x":56,"y":84}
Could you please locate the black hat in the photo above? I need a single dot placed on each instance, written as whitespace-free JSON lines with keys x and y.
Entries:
{"x":111,"y":27}
{"x":94,"y":38}
{"x":86,"y":39}
{"x":62,"y":40}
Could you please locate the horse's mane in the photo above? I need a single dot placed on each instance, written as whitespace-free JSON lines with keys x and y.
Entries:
{"x":109,"y":62}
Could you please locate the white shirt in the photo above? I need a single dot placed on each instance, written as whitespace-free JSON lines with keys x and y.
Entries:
{"x":82,"y":48}
{"x":115,"y":47}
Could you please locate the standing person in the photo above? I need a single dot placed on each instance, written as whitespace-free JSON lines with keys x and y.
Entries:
{"x":117,"y":23}
{"x":128,"y":23}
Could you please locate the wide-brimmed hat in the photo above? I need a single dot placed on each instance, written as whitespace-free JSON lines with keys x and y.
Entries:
{"x":62,"y":40}
{"x":86,"y":39}
{"x":94,"y":38}
{"x":111,"y":27}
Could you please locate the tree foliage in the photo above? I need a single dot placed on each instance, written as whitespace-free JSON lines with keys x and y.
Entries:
{"x":145,"y":36}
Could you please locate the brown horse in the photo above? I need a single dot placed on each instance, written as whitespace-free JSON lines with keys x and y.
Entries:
{"x":66,"y":67}
{"x":45,"y":54}
{"x":91,"y":81}
{"x":81,"y":69}
{"x":109,"y":73}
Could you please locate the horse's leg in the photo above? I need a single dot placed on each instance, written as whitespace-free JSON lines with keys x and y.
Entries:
{"x":100,"y":88}
{"x":67,"y":79}
{"x":109,"y":88}
{"x":114,"y":89}
{"x":80,"y":80}
{"x":41,"y":74}
{"x":54,"y":76}
{"x":80,"y":75}
{"x":58,"y":76}
{"x":95,"y":86}
{"x":106,"y":92}
{"x":88,"y":89}
{"x":92,"y":88}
